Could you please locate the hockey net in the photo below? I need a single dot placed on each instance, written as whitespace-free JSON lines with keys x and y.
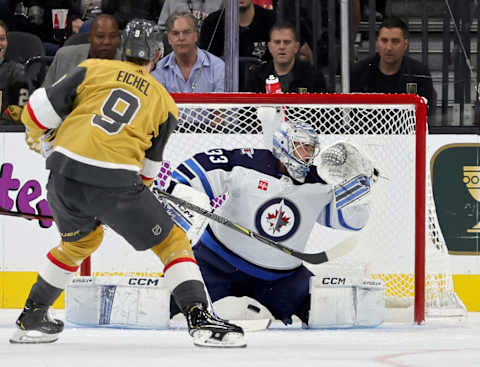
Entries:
{"x":402,"y":244}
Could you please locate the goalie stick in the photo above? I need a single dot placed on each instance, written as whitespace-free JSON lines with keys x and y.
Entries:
{"x":313,"y":258}
{"x":25,"y":215}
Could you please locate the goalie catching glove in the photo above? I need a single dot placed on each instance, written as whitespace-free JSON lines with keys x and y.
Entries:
{"x":352,"y":172}
{"x":342,"y":161}
{"x":192,"y":223}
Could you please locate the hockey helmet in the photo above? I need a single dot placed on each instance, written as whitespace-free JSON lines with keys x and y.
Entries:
{"x":289,"y":141}
{"x":141,"y":39}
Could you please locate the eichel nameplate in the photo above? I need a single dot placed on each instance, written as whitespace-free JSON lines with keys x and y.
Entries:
{"x":456,"y":191}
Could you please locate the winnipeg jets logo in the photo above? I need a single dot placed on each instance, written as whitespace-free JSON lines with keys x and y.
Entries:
{"x":277,"y":219}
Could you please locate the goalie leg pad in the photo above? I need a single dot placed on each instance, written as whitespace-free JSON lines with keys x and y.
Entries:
{"x":345,"y":306}
{"x":118,"y":302}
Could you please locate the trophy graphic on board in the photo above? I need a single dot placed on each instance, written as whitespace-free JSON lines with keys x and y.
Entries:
{"x":471,"y":178}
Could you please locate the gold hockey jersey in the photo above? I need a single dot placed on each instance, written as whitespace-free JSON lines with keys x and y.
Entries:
{"x":112,"y":118}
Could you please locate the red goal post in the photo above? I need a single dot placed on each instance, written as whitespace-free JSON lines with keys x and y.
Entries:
{"x":379,"y":122}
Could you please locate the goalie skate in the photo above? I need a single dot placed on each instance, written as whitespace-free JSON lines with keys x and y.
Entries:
{"x":36,"y":326}
{"x":210,"y":331}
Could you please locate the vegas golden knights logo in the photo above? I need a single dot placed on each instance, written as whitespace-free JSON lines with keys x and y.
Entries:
{"x":455,"y":170}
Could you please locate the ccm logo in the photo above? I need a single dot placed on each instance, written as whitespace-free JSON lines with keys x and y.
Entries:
{"x":142,"y":281}
{"x":333,"y":280}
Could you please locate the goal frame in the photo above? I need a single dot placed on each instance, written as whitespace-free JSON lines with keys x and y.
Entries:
{"x":348,"y":99}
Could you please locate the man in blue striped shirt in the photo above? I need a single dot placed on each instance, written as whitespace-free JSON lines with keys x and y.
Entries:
{"x":188,"y":69}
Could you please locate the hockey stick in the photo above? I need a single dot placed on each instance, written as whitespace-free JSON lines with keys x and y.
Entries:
{"x":313,"y":258}
{"x":25,"y":215}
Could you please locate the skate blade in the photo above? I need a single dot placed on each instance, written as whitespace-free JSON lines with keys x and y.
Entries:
{"x":204,"y":338}
{"x":32,"y":337}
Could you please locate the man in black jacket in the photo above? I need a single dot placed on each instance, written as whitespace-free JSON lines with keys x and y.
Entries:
{"x":390,"y":71}
{"x":295,"y":76}
{"x":254,"y":25}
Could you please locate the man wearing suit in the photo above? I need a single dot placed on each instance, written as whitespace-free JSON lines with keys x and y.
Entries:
{"x":104,"y":39}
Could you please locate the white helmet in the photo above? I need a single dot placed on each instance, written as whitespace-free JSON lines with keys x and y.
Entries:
{"x":284,"y":147}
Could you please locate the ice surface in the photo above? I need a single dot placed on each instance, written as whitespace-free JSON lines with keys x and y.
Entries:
{"x":437,"y":343}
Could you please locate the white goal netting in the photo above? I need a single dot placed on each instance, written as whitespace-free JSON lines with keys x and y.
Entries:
{"x":385,"y":127}
{"x":387,"y":133}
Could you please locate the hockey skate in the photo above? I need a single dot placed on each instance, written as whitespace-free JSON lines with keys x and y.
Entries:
{"x":208,"y":330}
{"x":35,"y":326}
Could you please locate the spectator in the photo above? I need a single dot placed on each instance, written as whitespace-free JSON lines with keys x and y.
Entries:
{"x":15,"y":86}
{"x":104,"y":39}
{"x":188,"y":68}
{"x":126,"y":10}
{"x":52,"y":20}
{"x":390,"y":70}
{"x":255,"y":23}
{"x":199,"y":8}
{"x":294,"y":74}
{"x":319,"y":20}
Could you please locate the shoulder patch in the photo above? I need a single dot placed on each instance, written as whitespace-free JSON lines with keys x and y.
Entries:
{"x":248,"y":152}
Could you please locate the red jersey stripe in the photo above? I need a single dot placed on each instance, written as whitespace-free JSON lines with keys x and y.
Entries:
{"x":60,"y":264}
{"x":33,"y":117}
{"x":179,"y":260}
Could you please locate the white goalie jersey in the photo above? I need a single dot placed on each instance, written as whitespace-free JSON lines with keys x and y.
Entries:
{"x":260,"y":197}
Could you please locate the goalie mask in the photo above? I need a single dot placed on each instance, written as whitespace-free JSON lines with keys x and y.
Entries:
{"x":141,"y":39}
{"x":296,"y":145}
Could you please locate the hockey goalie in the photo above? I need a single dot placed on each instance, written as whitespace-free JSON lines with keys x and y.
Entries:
{"x":281,"y":194}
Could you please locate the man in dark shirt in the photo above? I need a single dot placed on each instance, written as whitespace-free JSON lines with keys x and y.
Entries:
{"x":390,"y":71}
{"x":255,"y":23}
{"x":295,"y":76}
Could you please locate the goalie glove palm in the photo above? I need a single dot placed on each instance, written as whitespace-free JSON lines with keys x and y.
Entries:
{"x":342,"y":162}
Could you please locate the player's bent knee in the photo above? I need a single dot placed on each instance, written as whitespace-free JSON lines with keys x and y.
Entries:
{"x":335,"y":304}
{"x":175,"y":246}
{"x":182,"y":275}
{"x":73,"y":253}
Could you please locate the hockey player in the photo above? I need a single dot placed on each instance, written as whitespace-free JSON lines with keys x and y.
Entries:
{"x":112,"y":121}
{"x":280,"y":195}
